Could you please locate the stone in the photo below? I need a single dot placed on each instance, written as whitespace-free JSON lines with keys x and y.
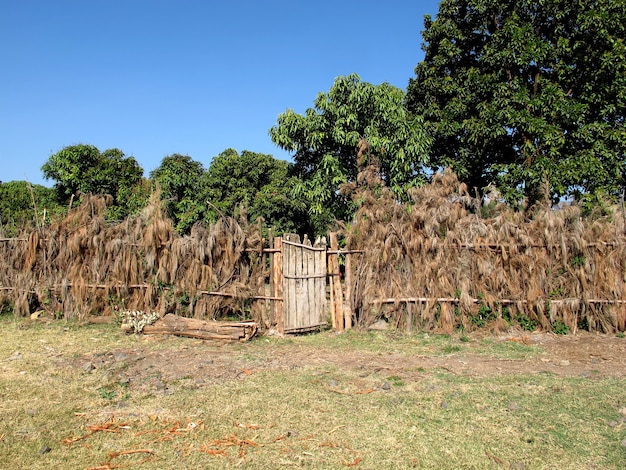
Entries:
{"x":380,"y":325}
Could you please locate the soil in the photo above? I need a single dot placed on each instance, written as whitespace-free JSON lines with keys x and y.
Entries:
{"x":196,"y":363}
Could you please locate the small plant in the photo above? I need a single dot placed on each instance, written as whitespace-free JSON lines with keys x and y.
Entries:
{"x":484,"y":315}
{"x":6,"y":308}
{"x":526,"y":323}
{"x":557,"y":293}
{"x":621,"y":334}
{"x":506,"y":315}
{"x":107,"y":394}
{"x":464,"y":339}
{"x":395,"y":381}
{"x":559,"y":328}
{"x":577,"y":261}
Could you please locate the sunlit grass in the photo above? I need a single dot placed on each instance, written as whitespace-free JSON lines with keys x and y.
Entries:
{"x":315,"y":416}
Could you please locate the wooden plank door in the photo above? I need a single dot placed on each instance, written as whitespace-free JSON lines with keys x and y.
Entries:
{"x":304,"y":283}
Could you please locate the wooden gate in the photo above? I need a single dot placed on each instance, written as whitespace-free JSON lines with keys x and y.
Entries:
{"x":304,"y":283}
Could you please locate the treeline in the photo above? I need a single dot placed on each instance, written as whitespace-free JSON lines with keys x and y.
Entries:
{"x":514,"y":96}
{"x":253,"y":185}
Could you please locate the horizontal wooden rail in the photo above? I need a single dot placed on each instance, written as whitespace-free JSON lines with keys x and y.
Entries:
{"x":501,"y":301}
{"x":308,"y":247}
{"x":141,"y":286}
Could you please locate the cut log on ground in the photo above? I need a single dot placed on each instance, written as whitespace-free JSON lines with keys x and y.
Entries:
{"x":201,"y":329}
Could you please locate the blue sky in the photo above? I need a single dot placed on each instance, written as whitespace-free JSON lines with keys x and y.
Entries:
{"x":155,"y":77}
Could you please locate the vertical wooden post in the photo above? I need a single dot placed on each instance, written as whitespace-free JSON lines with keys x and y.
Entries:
{"x":348,"y":310}
{"x":277,"y":280}
{"x":270,"y":303}
{"x":330,"y":271}
{"x":337,"y":308}
{"x":320,"y":272}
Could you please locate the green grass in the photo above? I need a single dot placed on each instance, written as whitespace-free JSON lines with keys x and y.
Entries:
{"x":314,"y":416}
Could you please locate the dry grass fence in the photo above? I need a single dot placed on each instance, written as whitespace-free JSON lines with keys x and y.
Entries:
{"x":83,"y":266}
{"x":433,"y":263}
{"x":436,"y":263}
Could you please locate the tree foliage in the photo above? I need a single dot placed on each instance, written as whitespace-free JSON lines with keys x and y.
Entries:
{"x":260,"y":184}
{"x":324,"y":140}
{"x":81,"y":169}
{"x":179,"y":180}
{"x":25,"y":205}
{"x":518,"y":91}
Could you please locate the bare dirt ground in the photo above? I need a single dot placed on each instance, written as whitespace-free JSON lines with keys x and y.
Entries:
{"x":159,"y":364}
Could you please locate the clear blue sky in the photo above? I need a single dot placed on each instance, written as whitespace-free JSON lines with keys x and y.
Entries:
{"x":156,"y":77}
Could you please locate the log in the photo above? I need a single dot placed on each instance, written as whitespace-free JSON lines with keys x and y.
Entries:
{"x":201,"y":329}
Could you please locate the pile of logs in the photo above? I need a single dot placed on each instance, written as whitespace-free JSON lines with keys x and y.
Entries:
{"x":201,"y":329}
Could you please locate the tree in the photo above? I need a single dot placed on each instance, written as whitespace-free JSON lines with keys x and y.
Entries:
{"x":261,"y":184}
{"x":179,"y":178}
{"x":25,"y":205}
{"x":325,"y":140}
{"x":516,"y":92}
{"x":81,"y":169}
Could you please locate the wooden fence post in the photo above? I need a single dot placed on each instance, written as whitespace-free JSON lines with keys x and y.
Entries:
{"x":335,"y":284}
{"x":277,"y":280}
{"x":349,"y":309}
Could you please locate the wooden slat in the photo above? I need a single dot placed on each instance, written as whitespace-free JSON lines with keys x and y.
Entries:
{"x":319,"y":283}
{"x":277,"y":280}
{"x":333,"y":266}
{"x":348,"y":308}
{"x":301,"y":298}
{"x":289,"y":269}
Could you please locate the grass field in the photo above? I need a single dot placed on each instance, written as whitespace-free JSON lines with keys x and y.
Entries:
{"x":274,"y":403}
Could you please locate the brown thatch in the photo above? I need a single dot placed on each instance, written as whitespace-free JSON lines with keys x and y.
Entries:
{"x":83,"y":266}
{"x":437,"y":263}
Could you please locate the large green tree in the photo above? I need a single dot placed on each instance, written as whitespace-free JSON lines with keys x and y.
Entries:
{"x":81,"y":169}
{"x":518,"y":91}
{"x":179,"y":179}
{"x":261,"y":184}
{"x":325,"y":138}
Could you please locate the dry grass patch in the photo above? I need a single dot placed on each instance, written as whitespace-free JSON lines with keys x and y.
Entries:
{"x":264,"y":410}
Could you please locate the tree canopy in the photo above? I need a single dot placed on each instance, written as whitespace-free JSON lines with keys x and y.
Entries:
{"x":324,"y":140}
{"x":256,"y":183}
{"x":23,"y":204}
{"x":517,"y":91}
{"x":259,"y":183}
{"x":179,"y":178}
{"x":84,"y":169}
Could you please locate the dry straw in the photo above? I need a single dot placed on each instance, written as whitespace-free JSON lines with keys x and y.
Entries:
{"x":83,"y":265}
{"x":436,"y":263}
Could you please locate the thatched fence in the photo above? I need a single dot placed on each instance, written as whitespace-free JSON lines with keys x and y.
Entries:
{"x":83,"y":266}
{"x":436,"y":263}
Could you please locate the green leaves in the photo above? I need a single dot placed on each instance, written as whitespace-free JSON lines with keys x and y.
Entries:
{"x":81,"y":169}
{"x":516,"y":91}
{"x":326,"y":137}
{"x":259,"y":183}
{"x":254,"y":183}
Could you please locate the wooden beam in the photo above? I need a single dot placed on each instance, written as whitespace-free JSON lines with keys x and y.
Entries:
{"x":200,"y":329}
